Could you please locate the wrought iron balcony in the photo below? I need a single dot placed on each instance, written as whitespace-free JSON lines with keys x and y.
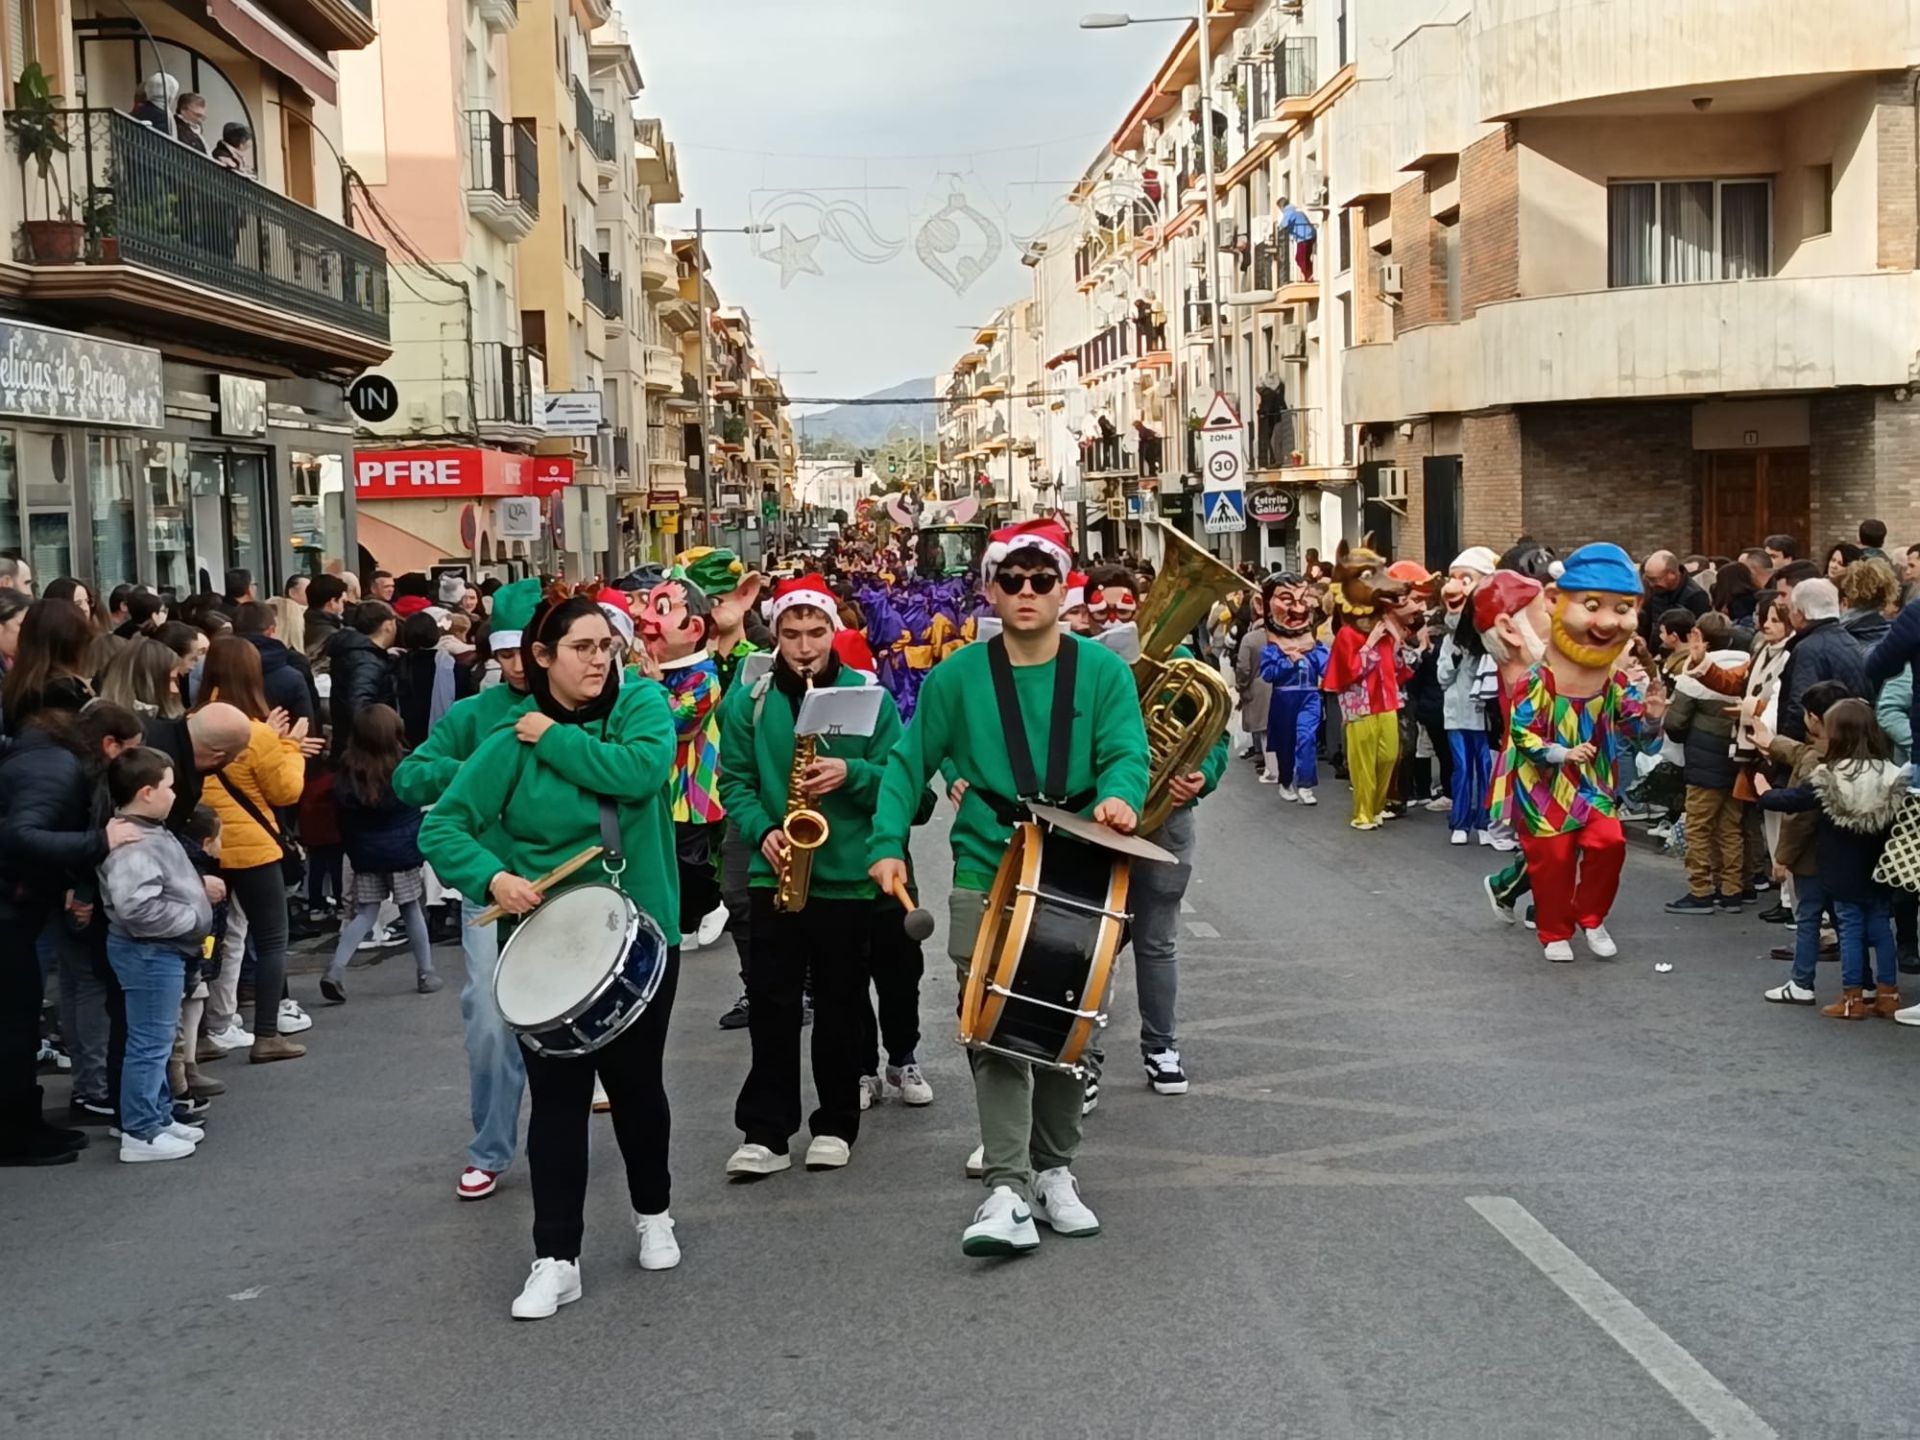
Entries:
{"x":503,"y":384}
{"x":622,"y":452}
{"x":503,"y":173}
{"x":122,"y":193}
{"x":604,"y":290}
{"x":595,"y":126}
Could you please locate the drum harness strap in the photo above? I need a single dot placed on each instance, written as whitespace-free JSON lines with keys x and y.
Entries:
{"x":614,"y":857}
{"x":1019,"y":753}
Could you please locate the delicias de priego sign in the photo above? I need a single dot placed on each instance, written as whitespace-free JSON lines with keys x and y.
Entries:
{"x":1270,"y":504}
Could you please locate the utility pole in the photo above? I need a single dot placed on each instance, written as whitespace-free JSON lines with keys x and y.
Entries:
{"x":706,"y":396}
{"x":1212,"y":237}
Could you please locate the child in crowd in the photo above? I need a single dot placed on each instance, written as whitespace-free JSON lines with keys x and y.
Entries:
{"x":1675,"y":626}
{"x":1853,"y":791}
{"x":191,"y":1089}
{"x":382,"y":837}
{"x":159,"y":913}
{"x":1703,"y":719}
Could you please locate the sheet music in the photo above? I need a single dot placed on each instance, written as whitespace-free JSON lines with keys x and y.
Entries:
{"x":841,"y":710}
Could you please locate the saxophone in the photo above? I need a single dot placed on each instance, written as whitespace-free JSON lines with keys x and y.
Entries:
{"x":806,"y":829}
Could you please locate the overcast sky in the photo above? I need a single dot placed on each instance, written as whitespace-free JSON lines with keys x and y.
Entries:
{"x":883,"y":109}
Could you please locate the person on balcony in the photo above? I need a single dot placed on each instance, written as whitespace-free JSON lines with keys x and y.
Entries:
{"x":189,"y":120}
{"x":154,"y":101}
{"x":234,"y":149}
{"x":1296,"y":226}
{"x":1148,"y":440}
{"x":1275,"y":423}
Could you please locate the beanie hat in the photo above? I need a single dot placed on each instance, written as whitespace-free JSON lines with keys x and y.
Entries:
{"x":1047,"y":536}
{"x":513,"y":607}
{"x":1505,"y":592}
{"x":718,"y":572}
{"x":1477,"y":558}
{"x":452,"y":587}
{"x":1600,"y":566}
{"x":808,"y":590}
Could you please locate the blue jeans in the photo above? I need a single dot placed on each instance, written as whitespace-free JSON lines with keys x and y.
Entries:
{"x":1863,"y":923}
{"x":153,"y":975}
{"x":1472,"y":773}
{"x":496,"y":1073}
{"x":1809,"y":907}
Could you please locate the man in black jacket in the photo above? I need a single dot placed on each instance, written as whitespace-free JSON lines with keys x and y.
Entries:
{"x":361,"y":668}
{"x":326,"y":612}
{"x":1819,"y":650}
{"x":198,"y":744}
{"x":1669,"y":587}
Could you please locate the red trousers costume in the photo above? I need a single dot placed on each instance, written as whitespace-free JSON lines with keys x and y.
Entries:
{"x":1575,"y":876}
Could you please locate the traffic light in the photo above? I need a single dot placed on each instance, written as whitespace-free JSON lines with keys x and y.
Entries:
{"x":893,"y":467}
{"x":859,"y":468}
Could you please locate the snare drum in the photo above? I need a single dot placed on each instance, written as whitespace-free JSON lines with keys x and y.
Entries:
{"x":1043,"y":961}
{"x":579,"y":970}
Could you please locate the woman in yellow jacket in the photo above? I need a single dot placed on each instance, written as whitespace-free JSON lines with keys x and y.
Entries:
{"x":270,"y":773}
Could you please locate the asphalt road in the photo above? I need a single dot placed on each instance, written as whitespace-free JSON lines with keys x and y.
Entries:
{"x":1425,"y":1185}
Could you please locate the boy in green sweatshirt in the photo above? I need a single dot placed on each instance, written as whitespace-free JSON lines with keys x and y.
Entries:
{"x":1029,"y":1114}
{"x":496,"y":1077}
{"x":827,"y":937}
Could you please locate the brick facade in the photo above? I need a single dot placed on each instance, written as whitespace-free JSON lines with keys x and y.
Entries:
{"x":1413,"y":252}
{"x":1866,"y":455}
{"x":1898,"y":204}
{"x":1489,"y":221}
{"x":1490,"y":479}
{"x":1608,"y":472}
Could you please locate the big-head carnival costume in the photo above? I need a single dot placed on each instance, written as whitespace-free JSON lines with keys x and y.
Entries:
{"x":1293,"y":663}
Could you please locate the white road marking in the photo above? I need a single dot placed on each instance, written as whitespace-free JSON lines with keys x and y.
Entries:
{"x":251,"y":1293}
{"x":1720,"y":1412}
{"x":1201,"y":930}
{"x":1186,"y":906}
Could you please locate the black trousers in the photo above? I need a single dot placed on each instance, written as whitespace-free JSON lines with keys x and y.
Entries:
{"x":22,"y":989}
{"x":699,"y":884}
{"x":829,"y":939}
{"x":897,"y":965}
{"x":562,"y":1109}
{"x":262,"y":893}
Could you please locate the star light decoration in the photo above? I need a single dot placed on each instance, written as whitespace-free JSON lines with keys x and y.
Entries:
{"x":794,"y":255}
{"x":957,"y":242}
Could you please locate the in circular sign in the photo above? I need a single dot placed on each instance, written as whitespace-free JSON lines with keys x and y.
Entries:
{"x":374,"y":398}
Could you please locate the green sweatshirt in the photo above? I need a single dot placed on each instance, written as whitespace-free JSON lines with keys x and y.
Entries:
{"x":423,"y":777}
{"x":958,"y":719}
{"x":756,"y":760}
{"x":542,"y":801}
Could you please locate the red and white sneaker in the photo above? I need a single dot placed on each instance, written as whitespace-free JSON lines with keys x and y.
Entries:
{"x":477,"y":1184}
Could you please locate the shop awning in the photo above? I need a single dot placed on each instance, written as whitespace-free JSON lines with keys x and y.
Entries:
{"x":260,"y":35}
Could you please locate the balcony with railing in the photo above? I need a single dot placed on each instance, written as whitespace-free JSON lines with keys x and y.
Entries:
{"x":1199,"y":312}
{"x":128,"y":219}
{"x":595,"y":126}
{"x":505,"y":378}
{"x":1278,"y":87}
{"x":603,"y":289}
{"x":1111,"y":346}
{"x":503,"y":174}
{"x":499,"y":16}
{"x":1108,"y":456}
{"x":661,"y":369}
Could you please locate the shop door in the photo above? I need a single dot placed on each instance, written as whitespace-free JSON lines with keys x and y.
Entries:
{"x":1440,"y":510}
{"x":1746,"y":495}
{"x":228,"y":516}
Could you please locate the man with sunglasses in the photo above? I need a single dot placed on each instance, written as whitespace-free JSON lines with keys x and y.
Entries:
{"x":496,"y":1074}
{"x":1113,"y":600}
{"x":1033,"y":714}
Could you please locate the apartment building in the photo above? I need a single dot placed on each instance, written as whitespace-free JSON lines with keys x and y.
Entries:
{"x":989,"y":433}
{"x":1652,"y":282}
{"x":178,"y":329}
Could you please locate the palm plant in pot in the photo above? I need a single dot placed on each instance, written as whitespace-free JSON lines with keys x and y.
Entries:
{"x":39,"y":134}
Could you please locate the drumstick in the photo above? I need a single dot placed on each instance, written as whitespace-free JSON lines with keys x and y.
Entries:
{"x":919,"y":923}
{"x":552,"y":877}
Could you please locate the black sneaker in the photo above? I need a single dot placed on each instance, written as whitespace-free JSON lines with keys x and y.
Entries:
{"x":1909,"y":960}
{"x":1729,"y":905}
{"x":1529,"y":920}
{"x":736,"y":1018}
{"x":1164,"y":1073}
{"x":1761,"y":881}
{"x":90,"y":1112}
{"x":1090,"y":1101}
{"x":1749,"y":896}
{"x":191,"y":1111}
{"x":1691,"y":905}
{"x":1777,"y":915}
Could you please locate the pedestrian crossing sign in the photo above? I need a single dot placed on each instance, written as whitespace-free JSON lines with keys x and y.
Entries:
{"x":1225,"y":511}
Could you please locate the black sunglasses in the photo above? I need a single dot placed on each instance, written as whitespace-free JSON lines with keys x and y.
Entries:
{"x":1042,"y":582}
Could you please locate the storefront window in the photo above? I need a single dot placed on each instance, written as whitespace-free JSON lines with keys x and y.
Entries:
{"x":110,"y":462}
{"x":50,"y":542}
{"x":9,"y":495}
{"x":167,"y":502}
{"x":319,"y":524}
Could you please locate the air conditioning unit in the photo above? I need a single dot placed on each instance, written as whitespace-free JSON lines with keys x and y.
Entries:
{"x":1166,"y":389}
{"x":1243,"y":42}
{"x":1314,"y":185}
{"x":1293,"y":342}
{"x":1225,"y":236}
{"x":1189,"y":97}
{"x":1392,"y":283}
{"x":1391,"y":483}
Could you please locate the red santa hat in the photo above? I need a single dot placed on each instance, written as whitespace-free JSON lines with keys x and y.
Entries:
{"x":854,"y":652}
{"x":809,"y":590}
{"x":1047,"y":536}
{"x":1076,"y":590}
{"x":614,"y":605}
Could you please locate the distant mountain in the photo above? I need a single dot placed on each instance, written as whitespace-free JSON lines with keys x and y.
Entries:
{"x":864,"y":426}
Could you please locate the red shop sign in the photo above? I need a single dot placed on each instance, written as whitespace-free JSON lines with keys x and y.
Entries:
{"x":470,"y":473}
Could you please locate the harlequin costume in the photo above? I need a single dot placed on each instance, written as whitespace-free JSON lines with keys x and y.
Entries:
{"x":673,"y":625}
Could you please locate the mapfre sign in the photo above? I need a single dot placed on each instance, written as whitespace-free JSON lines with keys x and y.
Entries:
{"x":454,"y":474}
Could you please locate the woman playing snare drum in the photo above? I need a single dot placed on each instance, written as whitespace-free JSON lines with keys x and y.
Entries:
{"x":539,"y":782}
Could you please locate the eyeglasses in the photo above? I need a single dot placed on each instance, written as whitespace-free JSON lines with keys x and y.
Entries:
{"x":586,"y":649}
{"x":1042,"y":583}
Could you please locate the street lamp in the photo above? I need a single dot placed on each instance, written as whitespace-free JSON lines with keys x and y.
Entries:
{"x":700,"y":233}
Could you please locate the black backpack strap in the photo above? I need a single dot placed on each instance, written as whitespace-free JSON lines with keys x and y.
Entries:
{"x":1012,"y":725}
{"x":1066,"y":669}
{"x":240,"y":798}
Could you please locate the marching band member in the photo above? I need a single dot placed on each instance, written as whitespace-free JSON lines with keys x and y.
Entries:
{"x":528,"y":801}
{"x":1030,"y":715}
{"x":496,"y":1077}
{"x":827,"y":935}
{"x":1156,"y":890}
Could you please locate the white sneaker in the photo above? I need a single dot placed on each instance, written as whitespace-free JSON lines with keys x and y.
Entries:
{"x":977,"y":1159}
{"x":1003,"y":1225}
{"x":164,"y":1146}
{"x":1792,"y":994}
{"x":1164,"y":1073}
{"x":1058,"y":1206}
{"x":192,"y":1134}
{"x":293,"y":1019}
{"x":713,"y":924}
{"x":828,"y":1152}
{"x":752,"y":1162}
{"x":1601,"y":943}
{"x":1287,"y":792}
{"x":1458,"y":837}
{"x":871,"y":1091}
{"x":1560,"y":951}
{"x":231,"y":1038}
{"x":658,"y":1249}
{"x":552,"y":1284}
{"x":1485,"y":837}
{"x":911,"y":1081}
{"x":1307,"y":797}
{"x":1503,"y":844}
{"x":384,"y":938}
{"x":1908,"y":1016}
{"x":1268,"y":778}
{"x":1439,"y":803}
{"x":1384,"y":816}
{"x":1504,"y":913}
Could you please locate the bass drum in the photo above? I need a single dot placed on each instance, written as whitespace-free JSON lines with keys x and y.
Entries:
{"x":1056,"y":918}
{"x":579,"y":970}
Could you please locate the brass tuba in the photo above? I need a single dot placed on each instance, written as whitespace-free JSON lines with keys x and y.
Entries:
{"x":1185,"y":703}
{"x":806,"y":830}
